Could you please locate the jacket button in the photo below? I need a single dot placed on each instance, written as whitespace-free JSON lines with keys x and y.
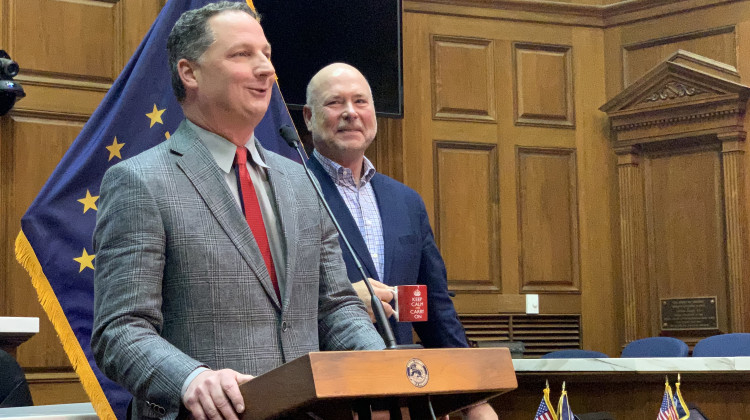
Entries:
{"x":284,"y":326}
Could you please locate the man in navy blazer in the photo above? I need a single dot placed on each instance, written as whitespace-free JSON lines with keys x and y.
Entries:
{"x":385,"y":221}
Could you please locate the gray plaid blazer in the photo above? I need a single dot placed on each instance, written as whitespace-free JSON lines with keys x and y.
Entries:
{"x":180,"y":282}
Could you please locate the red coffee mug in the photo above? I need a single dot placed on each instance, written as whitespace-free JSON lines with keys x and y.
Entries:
{"x":411,"y":303}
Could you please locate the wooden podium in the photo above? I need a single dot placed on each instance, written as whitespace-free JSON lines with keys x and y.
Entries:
{"x":333,"y":385}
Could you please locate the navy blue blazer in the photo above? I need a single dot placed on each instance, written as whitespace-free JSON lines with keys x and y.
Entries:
{"x":411,"y":255}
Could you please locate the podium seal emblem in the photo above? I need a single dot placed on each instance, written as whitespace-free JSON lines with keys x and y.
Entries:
{"x":417,"y":373}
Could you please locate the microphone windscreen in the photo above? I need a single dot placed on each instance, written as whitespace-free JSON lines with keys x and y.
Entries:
{"x":289,"y":134}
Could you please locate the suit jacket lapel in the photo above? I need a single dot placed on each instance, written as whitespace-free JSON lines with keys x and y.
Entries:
{"x":201,"y":169}
{"x":390,"y":207}
{"x":344,"y":217}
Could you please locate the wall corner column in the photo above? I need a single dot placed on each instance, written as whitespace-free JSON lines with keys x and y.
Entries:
{"x":733,"y":155}
{"x":633,"y":258}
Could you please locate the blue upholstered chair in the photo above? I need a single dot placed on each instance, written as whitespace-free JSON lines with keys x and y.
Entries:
{"x":14,"y":390}
{"x":656,"y":347}
{"x":574,"y":354}
{"x":724,"y":345}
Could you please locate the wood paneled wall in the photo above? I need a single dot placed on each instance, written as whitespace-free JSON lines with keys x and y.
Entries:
{"x":69,"y":54}
{"x":525,"y":86}
{"x":502,"y":136}
{"x":501,"y":123}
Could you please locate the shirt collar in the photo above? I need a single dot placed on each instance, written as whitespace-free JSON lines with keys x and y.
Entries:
{"x":223,"y":150}
{"x":342,"y":175}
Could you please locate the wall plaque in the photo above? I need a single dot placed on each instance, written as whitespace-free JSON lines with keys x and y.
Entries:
{"x":696,"y":313}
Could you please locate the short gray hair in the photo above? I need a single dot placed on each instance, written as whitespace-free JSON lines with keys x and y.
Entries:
{"x":191,"y":36}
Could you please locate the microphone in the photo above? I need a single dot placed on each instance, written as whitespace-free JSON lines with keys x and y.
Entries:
{"x":289,"y":135}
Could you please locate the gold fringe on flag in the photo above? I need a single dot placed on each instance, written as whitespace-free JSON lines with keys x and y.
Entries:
{"x":27,"y":258}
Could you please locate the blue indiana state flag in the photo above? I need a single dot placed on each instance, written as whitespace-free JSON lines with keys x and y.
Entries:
{"x":683,"y":413}
{"x":545,"y":411}
{"x":54,"y":244}
{"x":563,"y":407}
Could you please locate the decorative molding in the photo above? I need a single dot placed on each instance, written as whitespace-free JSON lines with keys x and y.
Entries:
{"x":62,"y":81}
{"x":673,"y":90}
{"x":453,"y":106}
{"x":493,"y":282}
{"x":556,"y":12}
{"x":47,"y":117}
{"x":716,"y":106}
{"x":524,"y":114}
{"x":733,"y":164}
{"x":528,"y":285}
{"x":633,"y":259}
{"x":673,"y":120}
{"x":51,"y":377}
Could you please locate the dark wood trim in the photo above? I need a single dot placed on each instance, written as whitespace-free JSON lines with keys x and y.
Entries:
{"x":555,"y":12}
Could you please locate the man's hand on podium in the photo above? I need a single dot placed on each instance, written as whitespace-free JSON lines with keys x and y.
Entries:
{"x":215,"y":394}
{"x":384,"y":292}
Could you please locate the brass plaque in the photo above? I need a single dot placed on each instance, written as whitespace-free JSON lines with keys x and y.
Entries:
{"x":696,"y":313}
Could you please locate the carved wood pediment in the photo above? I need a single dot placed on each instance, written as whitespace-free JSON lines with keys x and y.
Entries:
{"x":685,"y":96}
{"x":675,"y":90}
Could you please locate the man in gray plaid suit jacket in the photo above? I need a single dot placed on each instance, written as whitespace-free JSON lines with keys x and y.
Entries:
{"x":185,"y":307}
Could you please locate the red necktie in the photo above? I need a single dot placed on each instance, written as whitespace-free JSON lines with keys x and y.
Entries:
{"x":253,"y":215}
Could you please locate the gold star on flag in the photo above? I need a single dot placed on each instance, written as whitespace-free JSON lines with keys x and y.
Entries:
{"x":155,"y":116}
{"x":89,"y":202}
{"x":167,"y":135}
{"x":85,"y":260}
{"x":114,"y":149}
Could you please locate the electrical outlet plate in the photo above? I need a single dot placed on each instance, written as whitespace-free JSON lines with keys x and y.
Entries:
{"x":532,"y":304}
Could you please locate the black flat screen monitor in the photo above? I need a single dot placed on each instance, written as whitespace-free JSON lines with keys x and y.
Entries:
{"x":307,"y":35}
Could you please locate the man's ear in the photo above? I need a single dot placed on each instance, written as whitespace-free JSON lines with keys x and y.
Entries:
{"x":307,"y":114}
{"x":187,"y":71}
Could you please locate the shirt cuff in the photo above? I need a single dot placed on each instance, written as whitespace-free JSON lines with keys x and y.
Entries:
{"x":190,"y":378}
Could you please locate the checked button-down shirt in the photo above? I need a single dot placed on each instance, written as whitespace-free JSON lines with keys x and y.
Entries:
{"x":362,"y":204}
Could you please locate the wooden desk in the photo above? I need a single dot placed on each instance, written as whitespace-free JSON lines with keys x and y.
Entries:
{"x":631,"y":388}
{"x":15,"y":330}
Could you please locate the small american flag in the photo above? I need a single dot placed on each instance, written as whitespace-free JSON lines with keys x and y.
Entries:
{"x":667,"y":411}
{"x":544,"y":412}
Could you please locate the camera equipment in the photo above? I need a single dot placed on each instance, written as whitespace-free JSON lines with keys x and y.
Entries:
{"x":10,"y":91}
